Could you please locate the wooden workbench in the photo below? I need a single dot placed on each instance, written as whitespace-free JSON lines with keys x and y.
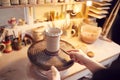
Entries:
{"x":14,"y":66}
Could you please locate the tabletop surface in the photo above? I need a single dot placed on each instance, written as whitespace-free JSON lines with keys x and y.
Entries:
{"x":15,"y":65}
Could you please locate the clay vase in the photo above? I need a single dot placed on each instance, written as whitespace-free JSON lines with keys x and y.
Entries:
{"x":8,"y":48}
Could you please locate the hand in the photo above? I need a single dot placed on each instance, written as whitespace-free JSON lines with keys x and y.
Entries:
{"x":78,"y":56}
{"x":53,"y":74}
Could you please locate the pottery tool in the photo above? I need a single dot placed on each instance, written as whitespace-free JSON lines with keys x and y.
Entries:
{"x":64,"y":51}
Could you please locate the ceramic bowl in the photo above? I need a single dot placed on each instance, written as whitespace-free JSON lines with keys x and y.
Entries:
{"x":89,"y":33}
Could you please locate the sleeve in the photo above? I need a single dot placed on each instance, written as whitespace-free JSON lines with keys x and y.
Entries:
{"x":107,"y":74}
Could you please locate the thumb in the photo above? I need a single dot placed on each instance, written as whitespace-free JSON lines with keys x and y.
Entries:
{"x":54,"y":70}
{"x":55,"y":73}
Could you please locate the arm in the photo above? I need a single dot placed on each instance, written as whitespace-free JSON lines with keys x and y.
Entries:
{"x":93,"y":66}
{"x":80,"y":57}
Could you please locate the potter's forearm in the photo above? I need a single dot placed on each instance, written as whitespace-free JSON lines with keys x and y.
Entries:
{"x":93,"y":65}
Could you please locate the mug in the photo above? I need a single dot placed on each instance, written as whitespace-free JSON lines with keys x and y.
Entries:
{"x":70,"y":32}
{"x":73,"y":32}
{"x":2,"y":47}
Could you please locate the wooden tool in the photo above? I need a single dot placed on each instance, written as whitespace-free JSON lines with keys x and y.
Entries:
{"x":64,"y":51}
{"x":108,"y":24}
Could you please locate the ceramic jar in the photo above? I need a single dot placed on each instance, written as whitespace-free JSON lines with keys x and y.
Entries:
{"x":48,"y":1}
{"x":0,"y":2}
{"x":54,"y":1}
{"x":32,"y":1}
{"x":12,"y":22}
{"x":14,"y":2}
{"x":40,"y":1}
{"x":61,"y":0}
{"x":23,"y":2}
{"x":52,"y":36}
{"x":38,"y":33}
{"x":6,"y":3}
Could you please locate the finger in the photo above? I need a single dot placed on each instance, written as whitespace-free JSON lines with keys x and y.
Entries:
{"x":53,"y":68}
{"x":75,"y":50}
{"x":55,"y":73}
{"x":80,"y":62}
{"x":81,"y":51}
{"x":73,"y":57}
{"x":48,"y":71}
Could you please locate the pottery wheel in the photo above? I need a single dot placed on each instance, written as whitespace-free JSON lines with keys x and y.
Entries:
{"x":38,"y":56}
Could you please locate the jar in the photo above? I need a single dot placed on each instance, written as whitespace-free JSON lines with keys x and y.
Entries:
{"x":77,"y":0}
{"x":67,"y":1}
{"x":54,"y":1}
{"x":40,"y":1}
{"x":52,"y":36}
{"x":61,"y":0}
{"x":32,"y":1}
{"x":23,"y":2}
{"x":17,"y":44}
{"x":2,"y":47}
{"x":8,"y":47}
{"x":38,"y":33}
{"x":14,"y":2}
{"x":52,"y":15}
{"x":48,"y":1}
{"x":0,"y":2}
{"x":6,"y":3}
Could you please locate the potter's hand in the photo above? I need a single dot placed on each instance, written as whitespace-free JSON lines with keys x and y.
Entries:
{"x":78,"y":56}
{"x":53,"y":74}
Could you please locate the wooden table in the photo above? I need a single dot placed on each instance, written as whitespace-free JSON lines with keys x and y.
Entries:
{"x":15,"y":65}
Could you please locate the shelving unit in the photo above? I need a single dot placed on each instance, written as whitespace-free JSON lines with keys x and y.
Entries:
{"x":29,"y":12}
{"x":45,"y":4}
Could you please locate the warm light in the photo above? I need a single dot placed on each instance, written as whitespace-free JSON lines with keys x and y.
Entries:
{"x":77,"y":8}
{"x":67,"y":19}
{"x":89,"y":3}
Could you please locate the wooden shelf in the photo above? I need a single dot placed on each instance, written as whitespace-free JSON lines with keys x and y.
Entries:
{"x":36,"y":5}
